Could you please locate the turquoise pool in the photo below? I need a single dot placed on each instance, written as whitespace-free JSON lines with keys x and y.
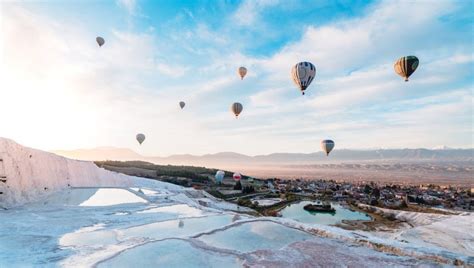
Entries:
{"x":296,"y":212}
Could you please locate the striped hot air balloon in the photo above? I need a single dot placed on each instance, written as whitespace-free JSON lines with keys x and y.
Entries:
{"x":327,"y":146}
{"x":303,"y":74}
{"x":406,"y":66}
{"x":236,"y":108}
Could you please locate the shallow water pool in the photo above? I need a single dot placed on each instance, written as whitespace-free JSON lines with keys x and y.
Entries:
{"x":170,"y":253}
{"x":296,"y":212}
{"x":256,"y":235}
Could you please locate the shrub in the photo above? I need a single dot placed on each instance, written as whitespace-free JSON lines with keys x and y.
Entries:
{"x":238,"y":186}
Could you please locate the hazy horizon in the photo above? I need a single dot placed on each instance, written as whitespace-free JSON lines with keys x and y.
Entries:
{"x":59,"y":90}
{"x":407,"y":166}
{"x":251,"y":155}
{"x":282,"y":158}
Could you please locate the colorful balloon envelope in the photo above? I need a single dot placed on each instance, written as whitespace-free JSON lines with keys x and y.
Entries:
{"x":237,"y":176}
{"x":303,"y":74}
{"x":327,"y":146}
{"x":406,"y":66}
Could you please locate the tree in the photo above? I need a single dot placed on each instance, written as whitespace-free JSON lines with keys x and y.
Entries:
{"x":238,"y":186}
{"x":374,"y":202}
{"x":367,"y":189}
{"x":248,"y":189}
{"x":376,"y":193}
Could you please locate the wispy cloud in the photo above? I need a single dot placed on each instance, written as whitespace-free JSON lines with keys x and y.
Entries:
{"x":170,"y":70}
{"x":129,"y":5}
{"x":248,"y":12}
{"x":80,"y":95}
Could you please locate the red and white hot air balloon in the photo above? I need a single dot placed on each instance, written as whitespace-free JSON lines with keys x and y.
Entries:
{"x":237,"y":176}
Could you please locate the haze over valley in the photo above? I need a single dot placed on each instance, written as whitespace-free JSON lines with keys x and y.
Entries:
{"x":411,"y":166}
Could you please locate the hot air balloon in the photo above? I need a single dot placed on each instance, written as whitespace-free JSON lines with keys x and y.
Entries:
{"x":303,"y":74}
{"x":140,"y":138}
{"x":220,"y":176}
{"x":242,"y":72}
{"x":182,"y":104}
{"x":100,"y":41}
{"x":236,"y":108}
{"x":406,"y":66}
{"x":181,"y":224}
{"x":327,"y":146}
{"x":237,"y":176}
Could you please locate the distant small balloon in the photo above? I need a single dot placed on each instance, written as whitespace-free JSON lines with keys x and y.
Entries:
{"x":220,"y":176}
{"x":100,"y":41}
{"x":327,"y":146}
{"x":140,"y":138}
{"x":242,"y":72}
{"x":236,"y":108}
{"x":303,"y":74}
{"x":237,"y":176}
{"x":406,"y":66}
{"x":182,"y":104}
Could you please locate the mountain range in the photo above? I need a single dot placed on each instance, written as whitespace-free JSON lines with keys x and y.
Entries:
{"x":231,"y":158}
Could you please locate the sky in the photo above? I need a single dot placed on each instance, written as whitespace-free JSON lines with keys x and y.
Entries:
{"x":59,"y":90}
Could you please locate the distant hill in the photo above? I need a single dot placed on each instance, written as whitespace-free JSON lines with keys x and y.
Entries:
{"x":235,"y":159}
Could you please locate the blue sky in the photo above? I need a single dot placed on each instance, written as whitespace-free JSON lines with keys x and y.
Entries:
{"x":62,"y":91}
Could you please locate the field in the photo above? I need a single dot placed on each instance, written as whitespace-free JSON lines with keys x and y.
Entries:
{"x":413,"y":173}
{"x":410,"y":173}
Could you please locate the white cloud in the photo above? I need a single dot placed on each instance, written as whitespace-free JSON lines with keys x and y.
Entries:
{"x":172,"y":71}
{"x":267,"y":97}
{"x":80,"y":95}
{"x":359,"y":42}
{"x":76,"y":94}
{"x":129,"y":5}
{"x":368,"y":45}
{"x":249,"y":10}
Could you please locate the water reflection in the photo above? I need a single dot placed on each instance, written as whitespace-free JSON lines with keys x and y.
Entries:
{"x":253,"y":236}
{"x":110,"y":197}
{"x":296,"y":212}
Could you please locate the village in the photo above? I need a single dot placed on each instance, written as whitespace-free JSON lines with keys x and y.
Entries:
{"x":268,"y":195}
{"x":274,"y":193}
